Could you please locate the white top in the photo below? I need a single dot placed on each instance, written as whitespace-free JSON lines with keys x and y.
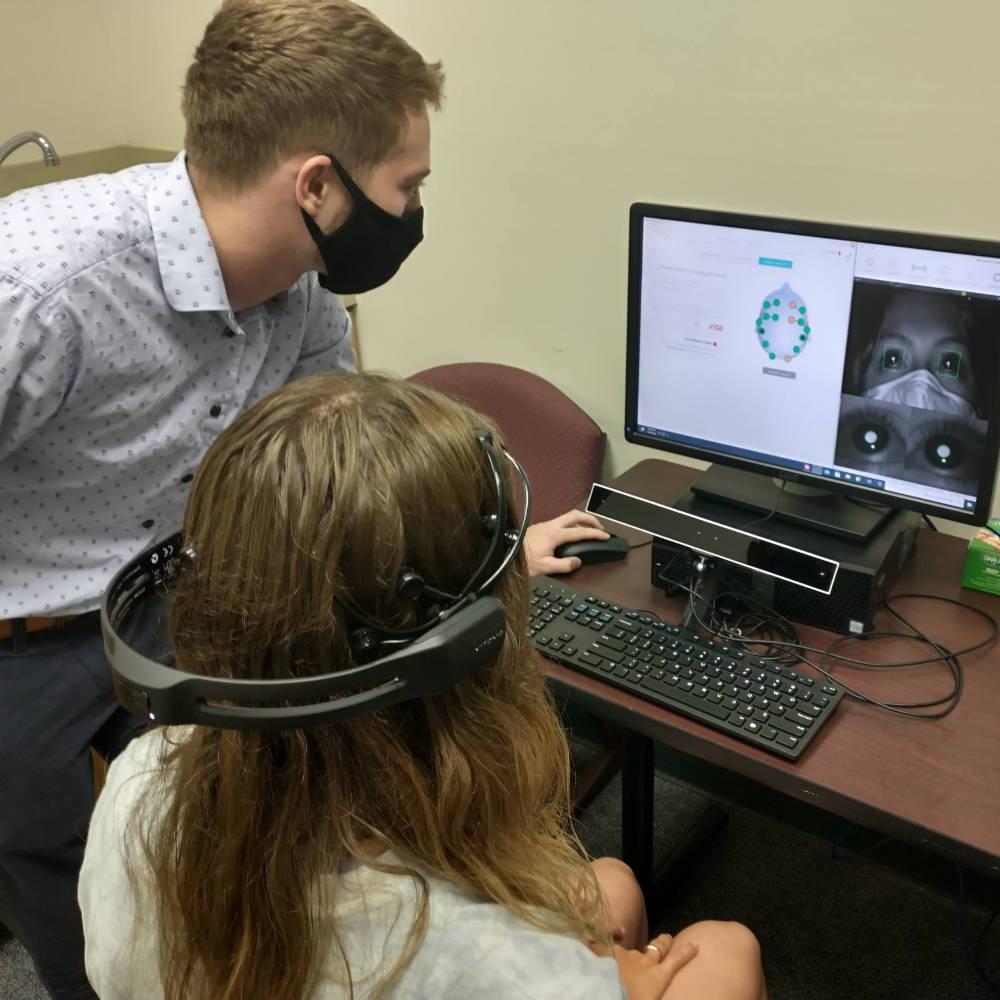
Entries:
{"x":120,"y":362}
{"x":473,"y":949}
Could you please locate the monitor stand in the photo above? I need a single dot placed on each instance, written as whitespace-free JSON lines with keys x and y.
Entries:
{"x":807,"y":506}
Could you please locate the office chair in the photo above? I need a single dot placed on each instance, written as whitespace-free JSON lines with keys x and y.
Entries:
{"x":562,"y":450}
{"x":561,"y":447}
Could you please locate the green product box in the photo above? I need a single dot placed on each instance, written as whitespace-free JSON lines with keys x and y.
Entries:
{"x":982,"y":561}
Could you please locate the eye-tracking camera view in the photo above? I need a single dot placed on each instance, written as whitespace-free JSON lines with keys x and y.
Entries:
{"x":915,"y":393}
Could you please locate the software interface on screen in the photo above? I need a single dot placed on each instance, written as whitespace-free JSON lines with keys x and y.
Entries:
{"x":853,"y":361}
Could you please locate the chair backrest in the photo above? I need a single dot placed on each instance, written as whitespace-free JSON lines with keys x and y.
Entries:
{"x":560,"y":447}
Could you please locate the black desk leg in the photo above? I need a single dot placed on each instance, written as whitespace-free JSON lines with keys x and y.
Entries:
{"x":657,"y":882}
{"x":638,"y":768}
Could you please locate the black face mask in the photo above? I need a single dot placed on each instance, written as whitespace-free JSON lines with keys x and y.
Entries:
{"x":369,"y":247}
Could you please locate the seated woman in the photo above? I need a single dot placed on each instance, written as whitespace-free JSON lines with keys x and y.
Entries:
{"x":423,"y":849}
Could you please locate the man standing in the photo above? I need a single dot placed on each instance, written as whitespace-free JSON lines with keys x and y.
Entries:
{"x":140,"y":313}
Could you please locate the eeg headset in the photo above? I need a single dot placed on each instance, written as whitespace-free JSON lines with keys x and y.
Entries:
{"x":459,"y":634}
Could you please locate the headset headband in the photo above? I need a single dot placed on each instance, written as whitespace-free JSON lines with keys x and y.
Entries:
{"x":460,"y":635}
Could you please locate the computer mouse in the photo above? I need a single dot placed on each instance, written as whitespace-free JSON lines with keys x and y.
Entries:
{"x":594,"y":550}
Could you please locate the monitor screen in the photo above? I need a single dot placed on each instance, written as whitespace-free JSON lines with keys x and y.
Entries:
{"x":867,"y":359}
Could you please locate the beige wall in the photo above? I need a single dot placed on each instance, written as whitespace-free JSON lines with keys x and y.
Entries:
{"x":60,"y":74}
{"x":561,"y":113}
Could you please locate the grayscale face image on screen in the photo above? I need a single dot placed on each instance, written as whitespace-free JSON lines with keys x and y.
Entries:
{"x":859,"y":362}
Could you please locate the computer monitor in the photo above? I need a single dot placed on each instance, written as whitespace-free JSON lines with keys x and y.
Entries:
{"x":861,"y":361}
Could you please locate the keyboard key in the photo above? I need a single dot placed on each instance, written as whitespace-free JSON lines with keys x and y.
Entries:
{"x":768,"y":732}
{"x":792,"y":728}
{"x":787,"y":741}
{"x":673,"y":694}
{"x":608,"y":654}
{"x":611,"y":642}
{"x":800,"y":717}
{"x":589,"y":658}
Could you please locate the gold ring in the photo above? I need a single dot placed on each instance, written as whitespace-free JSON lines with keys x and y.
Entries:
{"x":652,"y":947}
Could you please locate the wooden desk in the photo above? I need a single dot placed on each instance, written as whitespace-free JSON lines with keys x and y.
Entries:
{"x":933,"y":783}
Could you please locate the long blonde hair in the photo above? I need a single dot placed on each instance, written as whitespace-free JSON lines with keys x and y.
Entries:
{"x":331,"y":485}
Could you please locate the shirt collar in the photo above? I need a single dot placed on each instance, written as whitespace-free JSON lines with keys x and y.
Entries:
{"x":189,"y":266}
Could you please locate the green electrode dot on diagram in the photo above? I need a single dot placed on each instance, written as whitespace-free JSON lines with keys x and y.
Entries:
{"x":783,"y":308}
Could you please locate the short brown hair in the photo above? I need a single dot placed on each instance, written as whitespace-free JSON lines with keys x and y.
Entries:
{"x":274,"y":77}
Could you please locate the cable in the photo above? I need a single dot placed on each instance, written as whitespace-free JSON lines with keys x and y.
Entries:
{"x":746,"y":627}
{"x":767,"y":517}
{"x":639,"y":545}
{"x":974,"y":955}
{"x":795,"y":649}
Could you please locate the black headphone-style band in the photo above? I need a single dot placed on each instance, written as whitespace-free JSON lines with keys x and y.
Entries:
{"x":459,"y":636}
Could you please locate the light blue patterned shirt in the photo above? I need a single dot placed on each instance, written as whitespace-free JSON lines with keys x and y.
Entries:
{"x":120,"y":362}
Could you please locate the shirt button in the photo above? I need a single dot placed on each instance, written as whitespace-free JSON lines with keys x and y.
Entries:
{"x":148,"y":523}
{"x":187,"y":478}
{"x":215,"y":410}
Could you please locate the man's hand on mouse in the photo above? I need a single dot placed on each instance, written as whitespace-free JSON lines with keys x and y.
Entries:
{"x":541,"y":540}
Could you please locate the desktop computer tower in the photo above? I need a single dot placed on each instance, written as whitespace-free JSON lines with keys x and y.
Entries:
{"x":868,"y":570}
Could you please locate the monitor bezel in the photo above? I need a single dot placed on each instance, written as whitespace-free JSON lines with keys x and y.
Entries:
{"x":640,"y":211}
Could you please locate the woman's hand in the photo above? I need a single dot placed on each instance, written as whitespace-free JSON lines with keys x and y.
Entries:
{"x":541,"y":540}
{"x":647,"y":974}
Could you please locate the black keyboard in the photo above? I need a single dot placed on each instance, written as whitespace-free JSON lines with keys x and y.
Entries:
{"x":755,"y":700}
